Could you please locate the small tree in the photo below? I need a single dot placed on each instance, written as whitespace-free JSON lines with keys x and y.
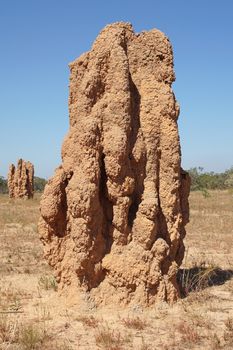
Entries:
{"x":39,"y":184}
{"x":3,"y":185}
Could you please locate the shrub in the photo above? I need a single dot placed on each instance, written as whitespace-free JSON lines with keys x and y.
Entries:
{"x":3,"y":185}
{"x":39,"y":184}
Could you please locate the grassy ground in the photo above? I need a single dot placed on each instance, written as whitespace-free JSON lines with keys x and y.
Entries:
{"x":33,"y":316}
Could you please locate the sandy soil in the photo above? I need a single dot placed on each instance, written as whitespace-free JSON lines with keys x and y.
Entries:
{"x":34,"y":316}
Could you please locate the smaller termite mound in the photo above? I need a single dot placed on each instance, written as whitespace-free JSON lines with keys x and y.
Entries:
{"x":21,"y":180}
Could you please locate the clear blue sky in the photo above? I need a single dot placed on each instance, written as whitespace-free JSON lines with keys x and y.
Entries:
{"x":38,"y":38}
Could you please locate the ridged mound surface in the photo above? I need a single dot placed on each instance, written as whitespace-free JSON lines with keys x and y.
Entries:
{"x":21,"y":180}
{"x":113,"y":215}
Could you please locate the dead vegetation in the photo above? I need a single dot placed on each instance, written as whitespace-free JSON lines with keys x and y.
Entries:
{"x":134,"y":322}
{"x":88,"y":320}
{"x":109,"y":339}
{"x":33,"y":316}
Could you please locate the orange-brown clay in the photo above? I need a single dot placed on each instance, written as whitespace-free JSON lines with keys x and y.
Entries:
{"x":21,"y":180}
{"x":113,"y":215}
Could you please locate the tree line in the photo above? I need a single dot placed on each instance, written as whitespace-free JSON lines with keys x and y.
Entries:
{"x":200,"y":180}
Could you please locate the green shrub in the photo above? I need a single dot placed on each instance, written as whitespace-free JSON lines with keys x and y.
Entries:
{"x":3,"y":185}
{"x":204,"y":181}
{"x":39,"y":184}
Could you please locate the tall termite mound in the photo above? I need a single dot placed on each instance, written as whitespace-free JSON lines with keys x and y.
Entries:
{"x":21,"y":180}
{"x":113,"y":215}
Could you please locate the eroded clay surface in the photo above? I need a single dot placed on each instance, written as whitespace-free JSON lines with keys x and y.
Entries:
{"x":21,"y":180}
{"x":113,"y":215}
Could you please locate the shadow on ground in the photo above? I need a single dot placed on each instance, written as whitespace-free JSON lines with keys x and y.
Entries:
{"x":198,"y":278}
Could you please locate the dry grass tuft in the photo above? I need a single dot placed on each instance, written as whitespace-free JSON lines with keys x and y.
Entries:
{"x":31,"y":337}
{"x":145,"y":346}
{"x":199,"y":277}
{"x":108,"y":339}
{"x":9,"y":330}
{"x":11,"y":298}
{"x":25,"y":337}
{"x":229,"y":325}
{"x":47,"y":282}
{"x":89,"y":321}
{"x":189,"y":333}
{"x":228,"y":333}
{"x":214,"y":341}
{"x":134,"y":323}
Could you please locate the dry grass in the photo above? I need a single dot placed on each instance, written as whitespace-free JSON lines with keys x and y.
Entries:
{"x":34,"y":316}
{"x":24,"y":336}
{"x":16,"y":211}
{"x":201,"y":276}
{"x":228,"y":333}
{"x":134,"y":323}
{"x":9,"y":330}
{"x":47,"y":282}
{"x":210,"y":228}
{"x":109,"y":339}
{"x":31,"y":337}
{"x":229,"y":325}
{"x":189,"y":334}
{"x":89,"y":321}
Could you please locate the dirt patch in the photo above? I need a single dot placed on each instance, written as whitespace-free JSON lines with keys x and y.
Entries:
{"x":33,"y":314}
